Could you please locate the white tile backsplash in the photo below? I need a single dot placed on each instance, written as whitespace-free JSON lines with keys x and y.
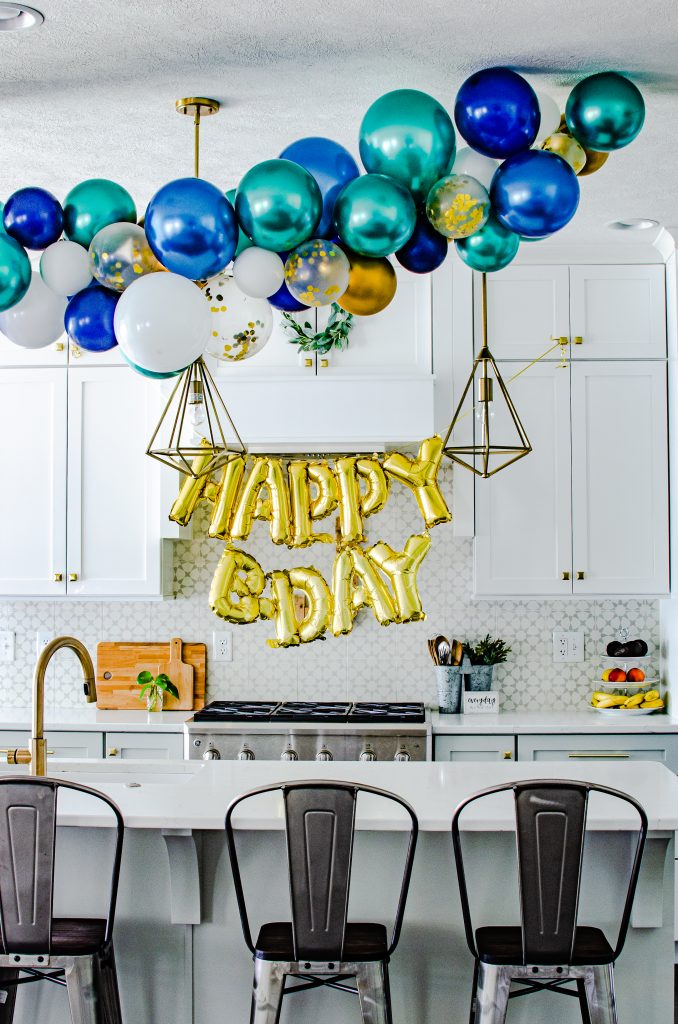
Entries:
{"x":373,"y":663}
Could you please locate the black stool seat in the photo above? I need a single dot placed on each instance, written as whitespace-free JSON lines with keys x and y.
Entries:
{"x":362,"y":942}
{"x":504,"y":946}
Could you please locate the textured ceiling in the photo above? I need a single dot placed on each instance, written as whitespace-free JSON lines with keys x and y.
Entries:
{"x":92,"y":92}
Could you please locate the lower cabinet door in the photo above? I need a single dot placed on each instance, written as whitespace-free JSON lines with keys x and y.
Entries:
{"x":474,"y":748}
{"x":74,"y":746}
{"x":620,"y":747}
{"x":167,"y":746}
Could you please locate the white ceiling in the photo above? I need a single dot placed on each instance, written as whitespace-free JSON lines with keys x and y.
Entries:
{"x":91,"y":92}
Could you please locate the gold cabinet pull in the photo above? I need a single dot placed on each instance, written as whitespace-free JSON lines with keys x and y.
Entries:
{"x":59,"y":346}
{"x":578,"y":340}
{"x":308,"y":363}
{"x":564,"y":575}
{"x":58,"y":577}
{"x":580,"y":574}
{"x":611,"y":754}
{"x":324,"y":363}
{"x":72,"y":577}
{"x":112,"y":752}
{"x":508,"y":754}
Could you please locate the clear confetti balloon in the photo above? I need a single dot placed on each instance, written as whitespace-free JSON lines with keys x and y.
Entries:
{"x":120,"y":254}
{"x":458,"y":206}
{"x":316,"y":272}
{"x":241,"y":325}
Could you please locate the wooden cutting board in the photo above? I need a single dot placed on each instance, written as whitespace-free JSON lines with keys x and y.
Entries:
{"x":119,"y":664}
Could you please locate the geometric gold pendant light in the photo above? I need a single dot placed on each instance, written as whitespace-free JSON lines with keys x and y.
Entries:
{"x":494,"y":447}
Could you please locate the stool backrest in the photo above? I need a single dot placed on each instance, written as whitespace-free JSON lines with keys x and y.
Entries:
{"x":550,"y":833}
{"x":320,"y":826}
{"x":28,"y":820}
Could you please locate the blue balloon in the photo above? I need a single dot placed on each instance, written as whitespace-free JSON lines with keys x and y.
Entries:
{"x":34,"y":217}
{"x":89,"y":319}
{"x":425,"y":250}
{"x":331,"y":165}
{"x":191,"y":228}
{"x":284,"y":300}
{"x":534,"y":193}
{"x":497,"y":112}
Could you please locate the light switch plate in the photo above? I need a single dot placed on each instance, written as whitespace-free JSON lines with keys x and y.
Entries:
{"x":568,"y":645}
{"x":222,"y":645}
{"x":7,"y":645}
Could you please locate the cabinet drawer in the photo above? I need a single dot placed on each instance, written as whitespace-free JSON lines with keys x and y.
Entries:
{"x":72,"y":745}
{"x":475,"y":748}
{"x":145,"y":746}
{"x":609,"y":747}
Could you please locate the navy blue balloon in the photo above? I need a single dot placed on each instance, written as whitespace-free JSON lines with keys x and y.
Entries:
{"x":331,"y":165}
{"x":497,"y":112}
{"x":34,"y":217}
{"x":534,"y":193}
{"x":425,"y":250}
{"x":285,"y":301}
{"x":89,"y":319}
{"x":191,"y":228}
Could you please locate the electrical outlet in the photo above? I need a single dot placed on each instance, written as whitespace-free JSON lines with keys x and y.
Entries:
{"x":222,"y":646}
{"x":42,"y":638}
{"x":6,"y":645}
{"x":568,"y":645}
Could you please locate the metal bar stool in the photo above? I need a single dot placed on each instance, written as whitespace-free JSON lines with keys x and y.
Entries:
{"x":76,"y":953}
{"x":548,"y":948}
{"x":319,"y":944}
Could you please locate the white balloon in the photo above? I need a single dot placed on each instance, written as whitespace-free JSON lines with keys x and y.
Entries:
{"x":258,"y":272}
{"x":549,"y":112}
{"x":162,"y":322}
{"x":240,"y":325}
{"x":65,"y":267}
{"x":36,"y":320}
{"x":475,"y":165}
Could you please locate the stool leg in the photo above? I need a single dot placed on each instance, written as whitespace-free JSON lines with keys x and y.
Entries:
{"x":599,"y":982}
{"x":267,"y":991}
{"x":7,"y":995}
{"x":492,"y":993}
{"x":83,"y":997}
{"x":472,"y":1014}
{"x":107,"y":983}
{"x":374,"y":993}
{"x":583,"y":1002}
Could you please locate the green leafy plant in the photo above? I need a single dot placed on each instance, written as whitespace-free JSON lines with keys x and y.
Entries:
{"x":487,"y":651}
{"x":153,"y":689}
{"x":335,"y":335}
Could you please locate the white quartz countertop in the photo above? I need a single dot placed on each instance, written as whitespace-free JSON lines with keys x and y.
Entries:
{"x":89,"y":718}
{"x":525,"y":722}
{"x":195,"y":795}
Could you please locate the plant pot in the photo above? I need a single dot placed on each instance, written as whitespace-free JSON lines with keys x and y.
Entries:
{"x":448,"y":679}
{"x":154,"y":698}
{"x":480,"y":678}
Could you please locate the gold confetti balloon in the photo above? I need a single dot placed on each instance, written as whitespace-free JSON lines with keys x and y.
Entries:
{"x":568,"y":148}
{"x":458,"y":206}
{"x":316,"y":272}
{"x":241,"y":325}
{"x":120,"y":254}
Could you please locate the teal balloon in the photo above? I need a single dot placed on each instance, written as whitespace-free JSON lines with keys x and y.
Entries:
{"x":409,"y":136}
{"x":149,"y":373}
{"x":243,"y":241}
{"x":490,"y":249}
{"x":278,"y":204}
{"x":374,"y":215}
{"x":15,"y":272}
{"x":605,"y":112}
{"x":94,"y":204}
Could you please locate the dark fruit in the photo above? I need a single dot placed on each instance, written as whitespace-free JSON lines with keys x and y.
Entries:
{"x":613,"y":647}
{"x":631,"y":649}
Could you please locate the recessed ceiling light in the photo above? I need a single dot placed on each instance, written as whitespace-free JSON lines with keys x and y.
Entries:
{"x":633,"y":224}
{"x":18,"y":17}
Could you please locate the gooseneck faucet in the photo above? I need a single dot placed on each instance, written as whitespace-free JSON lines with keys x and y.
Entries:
{"x":37,"y":755}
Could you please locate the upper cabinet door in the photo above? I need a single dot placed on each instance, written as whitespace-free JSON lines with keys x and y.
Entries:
{"x":618,"y":312}
{"x":393,"y":343}
{"x":33,"y":506}
{"x":527,"y":309}
{"x":113,"y":524}
{"x":51,"y":355}
{"x":619,"y":478}
{"x":523,"y":529}
{"x":279,"y":358}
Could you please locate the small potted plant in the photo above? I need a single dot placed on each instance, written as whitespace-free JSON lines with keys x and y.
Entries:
{"x":483,"y":657}
{"x":154,"y":690}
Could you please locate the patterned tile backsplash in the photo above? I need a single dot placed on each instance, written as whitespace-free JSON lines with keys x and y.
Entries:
{"x":373,"y":663}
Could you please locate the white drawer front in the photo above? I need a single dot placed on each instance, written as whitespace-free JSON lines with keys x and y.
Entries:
{"x":596,"y":747}
{"x":475,"y":748}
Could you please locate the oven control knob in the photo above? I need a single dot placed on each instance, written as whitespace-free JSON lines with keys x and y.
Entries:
{"x":402,"y":755}
{"x":289,"y":755}
{"x":324,"y":755}
{"x":245,"y":754}
{"x":211,"y":755}
{"x":368,"y":755}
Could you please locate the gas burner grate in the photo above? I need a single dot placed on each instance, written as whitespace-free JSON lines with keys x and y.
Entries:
{"x":236,"y":711}
{"x":365,"y":711}
{"x":312,"y":711}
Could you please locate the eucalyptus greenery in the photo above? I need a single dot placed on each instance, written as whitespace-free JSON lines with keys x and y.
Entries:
{"x":335,"y":335}
{"x":487,"y":651}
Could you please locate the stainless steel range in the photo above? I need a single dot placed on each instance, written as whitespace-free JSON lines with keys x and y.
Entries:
{"x":308,"y":731}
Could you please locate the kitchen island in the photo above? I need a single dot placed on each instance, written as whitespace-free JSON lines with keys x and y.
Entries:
{"x":180,"y":952}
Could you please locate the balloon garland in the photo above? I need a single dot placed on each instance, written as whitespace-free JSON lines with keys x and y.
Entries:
{"x":307,"y":228}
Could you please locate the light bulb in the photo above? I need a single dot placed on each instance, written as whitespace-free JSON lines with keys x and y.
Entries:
{"x":196,"y":404}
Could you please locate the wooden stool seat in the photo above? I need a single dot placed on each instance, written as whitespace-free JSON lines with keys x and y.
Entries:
{"x":362,"y":942}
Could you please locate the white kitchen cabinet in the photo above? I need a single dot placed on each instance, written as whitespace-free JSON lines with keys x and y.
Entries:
{"x":14,"y":355}
{"x":475,"y":748}
{"x":33,"y":506}
{"x":145,"y":745}
{"x":576,"y":748}
{"x":75,"y":746}
{"x":618,"y":312}
{"x":527,"y":309}
{"x":619,"y":478}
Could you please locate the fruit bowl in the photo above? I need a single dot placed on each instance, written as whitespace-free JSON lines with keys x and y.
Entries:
{"x":626,"y":712}
{"x":626,"y":689}
{"x":616,"y":701}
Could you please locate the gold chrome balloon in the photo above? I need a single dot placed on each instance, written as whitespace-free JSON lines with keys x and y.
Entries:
{"x":247,"y":587}
{"x":401,"y":568}
{"x":356,"y":582}
{"x":376,"y":495}
{"x":120,"y":254}
{"x":421,"y":476}
{"x":302,"y":505}
{"x":265,"y":474}
{"x":193,"y":489}
{"x":569,"y":149}
{"x":350,"y":519}
{"x":594,"y":161}
{"x":282,"y":596}
{"x":372,"y":284}
{"x":317,"y":619}
{"x":227,"y":493}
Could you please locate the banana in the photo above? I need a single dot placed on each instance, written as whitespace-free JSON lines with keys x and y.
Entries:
{"x":634,"y":701}
{"x":653,"y":704}
{"x":651,"y":695}
{"x":610,"y":701}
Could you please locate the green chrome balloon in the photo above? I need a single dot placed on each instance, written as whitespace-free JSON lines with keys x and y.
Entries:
{"x":278,"y":204}
{"x":94,"y":204}
{"x":150,"y":373}
{"x":243,"y":241}
{"x":605,"y":112}
{"x":15,"y":272}
{"x":374,"y":215}
{"x":492,"y":248}
{"x":409,"y":136}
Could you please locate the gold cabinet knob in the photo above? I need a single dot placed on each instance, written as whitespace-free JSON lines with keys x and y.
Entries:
{"x":72,"y":577}
{"x":112,"y":752}
{"x":324,"y":363}
{"x":308,"y":363}
{"x":564,"y":575}
{"x":578,"y":340}
{"x":580,"y":574}
{"x":59,"y":346}
{"x":58,"y":577}
{"x":508,"y":754}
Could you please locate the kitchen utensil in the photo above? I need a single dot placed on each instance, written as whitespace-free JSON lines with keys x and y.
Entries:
{"x":119,"y":664}
{"x":457,"y":652}
{"x":443,"y":649}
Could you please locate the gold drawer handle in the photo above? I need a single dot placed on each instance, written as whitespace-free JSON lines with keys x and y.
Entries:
{"x":564,"y":575}
{"x":324,"y":363}
{"x":112,"y":752}
{"x":59,"y":346}
{"x":578,"y":340}
{"x":611,"y":754}
{"x":508,"y":754}
{"x":58,"y":577}
{"x":72,"y":577}
{"x":580,"y":574}
{"x":308,"y":363}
